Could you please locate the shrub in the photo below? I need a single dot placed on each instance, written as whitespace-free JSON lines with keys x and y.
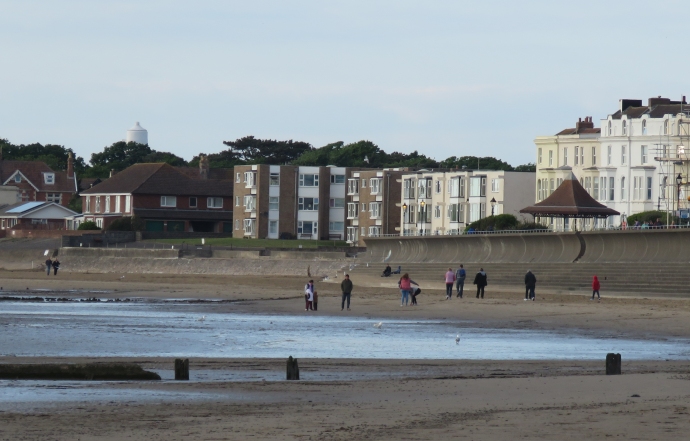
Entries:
{"x":126,"y":223}
{"x":652,"y":216}
{"x":499,"y":222}
{"x":88,"y":225}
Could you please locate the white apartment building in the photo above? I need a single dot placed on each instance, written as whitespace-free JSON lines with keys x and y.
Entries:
{"x":443,"y":203}
{"x":630,"y":164}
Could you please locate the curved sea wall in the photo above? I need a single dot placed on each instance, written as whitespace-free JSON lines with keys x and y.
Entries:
{"x":589,"y":247}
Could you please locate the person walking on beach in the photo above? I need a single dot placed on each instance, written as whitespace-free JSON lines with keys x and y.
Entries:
{"x":346,"y":288}
{"x":595,"y":288}
{"x":530,"y":284}
{"x":56,"y":266}
{"x":480,"y":281}
{"x":309,"y":295}
{"x":405,"y":285}
{"x":460,"y":276}
{"x":450,"y":280}
{"x":49,"y":263}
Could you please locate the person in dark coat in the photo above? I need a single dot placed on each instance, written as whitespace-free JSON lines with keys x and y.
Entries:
{"x":49,"y":263}
{"x":387,"y":272}
{"x":530,"y":284}
{"x":480,"y":281}
{"x":56,"y":266}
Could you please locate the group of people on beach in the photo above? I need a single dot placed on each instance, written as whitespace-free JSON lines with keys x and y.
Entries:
{"x":54,"y":264}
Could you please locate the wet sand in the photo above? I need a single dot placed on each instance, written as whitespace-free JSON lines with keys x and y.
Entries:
{"x":428,"y":399}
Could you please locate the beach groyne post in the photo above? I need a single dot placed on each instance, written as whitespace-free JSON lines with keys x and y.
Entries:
{"x":292,"y":369}
{"x":613,"y":364}
{"x":182,"y":369}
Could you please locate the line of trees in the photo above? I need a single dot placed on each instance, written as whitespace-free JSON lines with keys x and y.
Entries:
{"x":247,"y":150}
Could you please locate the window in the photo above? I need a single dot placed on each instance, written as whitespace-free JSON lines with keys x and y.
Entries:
{"x":551,"y":185}
{"x":353,"y":186}
{"x":582,"y":156}
{"x":309,"y":180}
{"x":352,"y":235}
{"x":128,"y":203}
{"x":238,"y":179}
{"x":375,"y":209}
{"x":54,"y":197}
{"x":474,"y":212}
{"x":117,"y":204}
{"x":192,"y":202}
{"x":410,"y":214}
{"x":612,"y":194}
{"x":666,"y":127}
{"x":336,"y":226}
{"x":539,"y":196}
{"x":98,"y":204}
{"x":539,"y":155}
{"x":17,"y":178}
{"x":602,"y":188}
{"x":424,"y":186}
{"x":237,"y":224}
{"x":364,"y":207}
{"x":595,"y":188}
{"x":649,"y":188}
{"x":107,"y":204}
{"x":610,"y":152}
{"x":565,"y":155}
{"x":375,"y":185}
{"x":237,"y":201}
{"x":250,"y":179}
{"x":374,"y":231}
{"x":336,"y":203}
{"x":577,"y":155}
{"x":455,"y":212}
{"x":273,"y":227}
{"x":588,"y":185}
{"x":215,"y":202}
{"x":408,"y":190}
{"x":495,"y":185}
{"x":274,"y":179}
{"x":437,"y":212}
{"x":594,"y":156}
{"x":364,"y":231}
{"x":438,"y":186}
{"x":609,"y":128}
{"x":623,"y":158}
{"x":364,"y":183}
{"x":308,"y":204}
{"x":625,"y":127}
{"x":306,"y":228}
{"x":166,"y":201}
{"x":249,"y":226}
{"x":550,"y":158}
{"x":273,"y":202}
{"x":644,"y":127}
{"x":352,"y":211}
{"x":643,"y":154}
{"x":477,"y":185}
{"x":623,"y":188}
{"x":454,"y":187}
{"x":49,"y":178}
{"x":99,"y":222}
{"x":337,"y":179}
{"x":249,"y":203}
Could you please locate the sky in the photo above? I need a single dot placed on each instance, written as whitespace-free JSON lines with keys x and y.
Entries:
{"x":445,"y":78}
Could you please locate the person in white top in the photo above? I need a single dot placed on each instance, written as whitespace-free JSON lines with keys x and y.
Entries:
{"x":309,"y":295}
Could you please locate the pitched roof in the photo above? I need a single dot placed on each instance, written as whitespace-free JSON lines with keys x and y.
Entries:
{"x":575,"y":131}
{"x":655,"y":111}
{"x":21,"y":209}
{"x":570,"y":199}
{"x":34,"y":172}
{"x":160,"y":179}
{"x":213,"y":173}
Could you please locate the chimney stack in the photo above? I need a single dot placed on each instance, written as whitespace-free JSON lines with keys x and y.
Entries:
{"x":70,"y":165}
{"x":203,"y":167}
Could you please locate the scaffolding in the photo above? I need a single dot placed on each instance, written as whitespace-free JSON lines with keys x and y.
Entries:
{"x":674,"y":170}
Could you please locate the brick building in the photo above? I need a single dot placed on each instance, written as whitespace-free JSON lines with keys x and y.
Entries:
{"x":38,"y":182}
{"x":166,"y":198}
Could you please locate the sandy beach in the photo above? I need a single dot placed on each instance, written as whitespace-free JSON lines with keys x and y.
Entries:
{"x":400,"y":399}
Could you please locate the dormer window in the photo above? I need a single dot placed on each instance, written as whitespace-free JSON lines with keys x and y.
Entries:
{"x":49,"y":178}
{"x":17,"y":178}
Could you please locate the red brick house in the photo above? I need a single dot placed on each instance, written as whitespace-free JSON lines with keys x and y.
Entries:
{"x":38,"y":182}
{"x":165,"y":198}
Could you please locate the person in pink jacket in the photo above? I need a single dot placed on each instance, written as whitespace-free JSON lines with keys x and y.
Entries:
{"x":450,"y":280}
{"x":405,"y":285}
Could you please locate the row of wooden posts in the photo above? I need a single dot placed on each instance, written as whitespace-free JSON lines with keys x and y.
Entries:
{"x":613,"y":367}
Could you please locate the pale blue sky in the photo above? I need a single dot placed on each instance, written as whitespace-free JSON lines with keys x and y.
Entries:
{"x":442,"y":77}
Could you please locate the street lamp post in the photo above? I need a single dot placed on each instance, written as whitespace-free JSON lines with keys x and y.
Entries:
{"x":679,"y":181}
{"x":422,"y":217}
{"x":404,"y":207}
{"x":493,"y":205}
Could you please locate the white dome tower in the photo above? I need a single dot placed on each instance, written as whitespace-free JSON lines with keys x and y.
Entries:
{"x":138,"y":134}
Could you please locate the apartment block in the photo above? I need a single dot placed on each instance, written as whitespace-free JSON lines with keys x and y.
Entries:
{"x":373,"y":204}
{"x":282,"y":201}
{"x":440,"y":203}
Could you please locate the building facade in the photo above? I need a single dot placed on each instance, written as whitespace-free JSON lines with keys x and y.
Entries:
{"x":37,"y":182}
{"x":633,"y":163}
{"x":283,"y":201}
{"x":444,"y":203}
{"x":373,"y":204}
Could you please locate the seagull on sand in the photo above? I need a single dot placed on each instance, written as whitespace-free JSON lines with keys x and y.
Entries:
{"x":457,"y":340}
{"x":202,"y":318}
{"x":378,"y":325}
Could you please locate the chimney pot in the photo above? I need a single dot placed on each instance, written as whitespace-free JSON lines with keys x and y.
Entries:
{"x":70,"y":165}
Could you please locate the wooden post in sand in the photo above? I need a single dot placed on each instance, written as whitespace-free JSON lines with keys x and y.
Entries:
{"x":182,"y":369}
{"x":613,"y":364}
{"x":292,"y":369}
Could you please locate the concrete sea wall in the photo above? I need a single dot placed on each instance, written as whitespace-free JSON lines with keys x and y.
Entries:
{"x":587,"y":247}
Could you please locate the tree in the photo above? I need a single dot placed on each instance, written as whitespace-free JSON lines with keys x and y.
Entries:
{"x":121,"y":155}
{"x":55,"y":156}
{"x":354,"y":154}
{"x":474,"y":163}
{"x":529,"y":167}
{"x":251,"y":150}
{"x":75,"y":203}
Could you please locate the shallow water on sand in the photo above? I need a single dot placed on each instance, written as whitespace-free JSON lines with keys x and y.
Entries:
{"x":170,"y":330}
